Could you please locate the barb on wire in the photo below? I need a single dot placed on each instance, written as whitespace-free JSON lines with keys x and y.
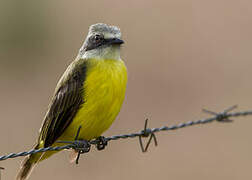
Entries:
{"x":83,"y":146}
{"x":222,"y":117}
{"x":146,"y":133}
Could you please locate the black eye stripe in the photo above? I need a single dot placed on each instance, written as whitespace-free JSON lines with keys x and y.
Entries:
{"x":95,"y":41}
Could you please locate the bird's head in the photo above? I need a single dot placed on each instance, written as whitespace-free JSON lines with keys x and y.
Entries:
{"x":102,"y":42}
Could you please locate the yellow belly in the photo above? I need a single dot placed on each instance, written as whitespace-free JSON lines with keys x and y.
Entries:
{"x":104,"y":92}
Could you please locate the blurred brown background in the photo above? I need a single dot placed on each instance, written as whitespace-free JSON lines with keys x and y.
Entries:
{"x":182,"y":56}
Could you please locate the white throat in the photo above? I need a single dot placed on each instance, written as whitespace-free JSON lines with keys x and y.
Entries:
{"x":109,"y":52}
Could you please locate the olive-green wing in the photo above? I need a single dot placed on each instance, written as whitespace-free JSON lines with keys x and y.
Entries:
{"x":64,"y":106}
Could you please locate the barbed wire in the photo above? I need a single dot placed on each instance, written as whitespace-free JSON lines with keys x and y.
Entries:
{"x":83,"y":146}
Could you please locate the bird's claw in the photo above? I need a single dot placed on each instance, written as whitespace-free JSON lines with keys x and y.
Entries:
{"x":101,"y":143}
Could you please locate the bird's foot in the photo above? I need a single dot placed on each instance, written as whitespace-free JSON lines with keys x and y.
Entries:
{"x":81,"y":147}
{"x":101,"y":143}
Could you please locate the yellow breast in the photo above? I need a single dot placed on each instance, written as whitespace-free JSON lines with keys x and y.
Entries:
{"x":104,"y":92}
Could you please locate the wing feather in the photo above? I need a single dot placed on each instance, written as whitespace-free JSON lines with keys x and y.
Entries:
{"x":65,"y":104}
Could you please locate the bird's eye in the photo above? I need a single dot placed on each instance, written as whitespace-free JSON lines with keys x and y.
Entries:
{"x":98,"y":37}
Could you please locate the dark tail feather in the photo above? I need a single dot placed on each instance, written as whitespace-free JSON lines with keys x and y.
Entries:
{"x":25,"y":169}
{"x":27,"y":166}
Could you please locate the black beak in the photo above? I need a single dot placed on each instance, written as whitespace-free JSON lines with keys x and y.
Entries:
{"x":114,"y":41}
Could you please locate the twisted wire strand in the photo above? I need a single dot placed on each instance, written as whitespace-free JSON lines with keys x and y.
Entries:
{"x":220,"y":117}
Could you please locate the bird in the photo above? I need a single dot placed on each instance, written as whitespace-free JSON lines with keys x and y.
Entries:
{"x":89,"y":95}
